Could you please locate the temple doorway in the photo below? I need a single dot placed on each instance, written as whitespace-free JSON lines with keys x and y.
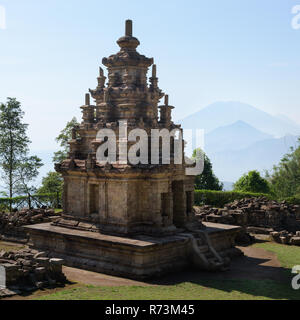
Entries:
{"x":178,"y":203}
{"x":94,"y":198}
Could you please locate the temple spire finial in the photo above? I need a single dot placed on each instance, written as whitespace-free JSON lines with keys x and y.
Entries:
{"x":101,"y":72}
{"x":87,"y":99}
{"x":166,"y":99}
{"x":154,"y":71}
{"x":128,"y":28}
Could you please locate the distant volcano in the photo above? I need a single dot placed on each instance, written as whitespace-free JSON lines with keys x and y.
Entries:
{"x":239,"y":137}
{"x":221,"y":114}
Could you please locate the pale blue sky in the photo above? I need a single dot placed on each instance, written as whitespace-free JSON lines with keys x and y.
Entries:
{"x":205,"y":51}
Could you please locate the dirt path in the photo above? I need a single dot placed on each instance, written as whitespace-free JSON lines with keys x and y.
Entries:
{"x":98,"y":279}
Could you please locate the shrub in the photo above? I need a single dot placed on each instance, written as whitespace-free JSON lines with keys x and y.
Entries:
{"x":252,"y":182}
{"x":293,"y":200}
{"x":220,"y":198}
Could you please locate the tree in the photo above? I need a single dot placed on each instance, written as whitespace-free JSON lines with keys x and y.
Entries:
{"x":63,"y":139}
{"x":3,"y":194}
{"x":13,"y":139}
{"x":285,"y":177}
{"x":52,"y":183}
{"x":14,"y":148}
{"x":207,"y":179}
{"x":252,"y":182}
{"x":27,"y":170}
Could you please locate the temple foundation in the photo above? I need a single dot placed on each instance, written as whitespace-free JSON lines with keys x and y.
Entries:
{"x":139,"y":257}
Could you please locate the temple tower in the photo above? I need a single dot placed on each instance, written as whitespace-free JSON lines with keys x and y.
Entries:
{"x":122,"y":197}
{"x":132,"y":215}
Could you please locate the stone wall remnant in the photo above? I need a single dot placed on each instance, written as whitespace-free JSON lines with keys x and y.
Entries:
{"x":258,"y":215}
{"x":28,"y":270}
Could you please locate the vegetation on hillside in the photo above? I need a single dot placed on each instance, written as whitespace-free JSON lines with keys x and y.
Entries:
{"x":285,"y":177}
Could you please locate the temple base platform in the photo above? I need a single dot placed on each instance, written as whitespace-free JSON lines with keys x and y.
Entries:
{"x":141,"y":256}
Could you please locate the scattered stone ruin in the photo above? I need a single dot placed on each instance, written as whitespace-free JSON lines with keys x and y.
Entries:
{"x":285,"y":237}
{"x":11,"y":223}
{"x":28,"y":270}
{"x":255,"y":215}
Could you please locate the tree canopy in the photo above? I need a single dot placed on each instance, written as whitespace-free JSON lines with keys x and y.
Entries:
{"x":52,"y":183}
{"x":207,"y":180}
{"x":252,"y":182}
{"x":63,"y":138}
{"x":18,"y":168}
{"x":27,"y":170}
{"x":285,"y":177}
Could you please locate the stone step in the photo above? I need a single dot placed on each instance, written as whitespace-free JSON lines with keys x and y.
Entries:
{"x":203,"y":248}
{"x":199,"y":242}
{"x":209,"y":255}
{"x":216,"y":262}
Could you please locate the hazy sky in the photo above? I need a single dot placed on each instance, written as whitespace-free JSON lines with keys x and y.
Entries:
{"x":205,"y":51}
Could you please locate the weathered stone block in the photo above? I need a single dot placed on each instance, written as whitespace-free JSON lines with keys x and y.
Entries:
{"x":295,"y":241}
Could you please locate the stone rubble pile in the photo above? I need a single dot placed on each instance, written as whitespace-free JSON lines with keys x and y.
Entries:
{"x":286,"y":237}
{"x":256,"y":214}
{"x":29,"y":269}
{"x":11,"y":223}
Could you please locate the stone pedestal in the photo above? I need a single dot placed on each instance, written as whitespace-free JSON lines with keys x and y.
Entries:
{"x":138,"y":257}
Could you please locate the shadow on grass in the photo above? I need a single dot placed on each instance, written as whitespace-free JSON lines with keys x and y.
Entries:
{"x":257,"y":240}
{"x":27,"y":290}
{"x":246,"y":275}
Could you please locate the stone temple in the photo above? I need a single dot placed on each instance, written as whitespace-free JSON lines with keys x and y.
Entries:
{"x":134,"y":220}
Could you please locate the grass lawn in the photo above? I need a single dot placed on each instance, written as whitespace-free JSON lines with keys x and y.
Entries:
{"x":207,"y":290}
{"x":244,"y":289}
{"x":288,"y":256}
{"x":6,"y":246}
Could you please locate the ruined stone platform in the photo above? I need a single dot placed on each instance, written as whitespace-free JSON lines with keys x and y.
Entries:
{"x":137,"y":257}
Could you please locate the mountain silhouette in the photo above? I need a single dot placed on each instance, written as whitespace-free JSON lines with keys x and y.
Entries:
{"x":230,"y":165}
{"x":239,"y":137}
{"x":235,"y":136}
{"x":221,"y":114}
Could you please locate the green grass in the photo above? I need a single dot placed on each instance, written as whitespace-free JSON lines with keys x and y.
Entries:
{"x":10,"y":247}
{"x":288,"y":256}
{"x":206,"y":289}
